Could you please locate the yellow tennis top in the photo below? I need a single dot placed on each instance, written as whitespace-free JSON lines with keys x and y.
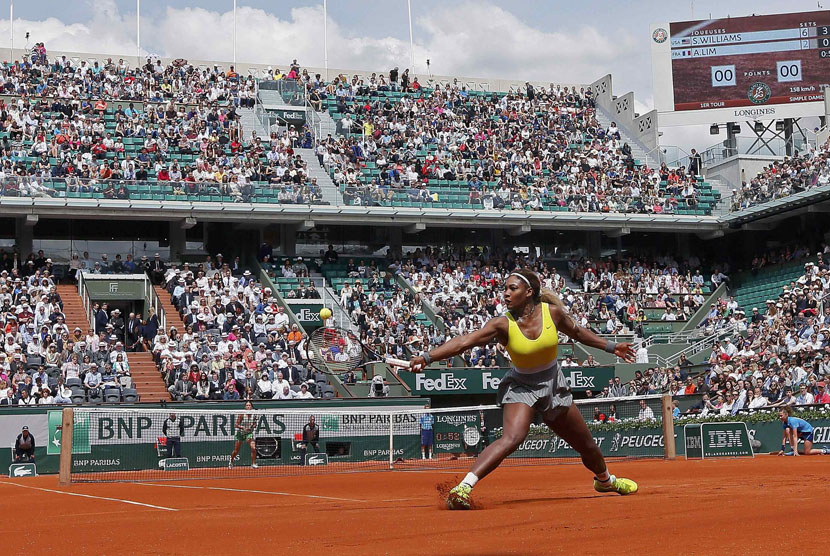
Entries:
{"x":532,"y":356}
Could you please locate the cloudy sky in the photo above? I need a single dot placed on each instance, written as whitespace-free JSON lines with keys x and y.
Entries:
{"x":522,"y":39}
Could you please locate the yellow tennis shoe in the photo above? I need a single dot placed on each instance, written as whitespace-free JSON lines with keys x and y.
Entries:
{"x":620,"y":486}
{"x":459,"y":497}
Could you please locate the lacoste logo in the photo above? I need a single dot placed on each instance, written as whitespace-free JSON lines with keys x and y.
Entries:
{"x":22,"y":471}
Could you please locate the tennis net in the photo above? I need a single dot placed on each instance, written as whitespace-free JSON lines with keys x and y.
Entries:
{"x":136,"y":444}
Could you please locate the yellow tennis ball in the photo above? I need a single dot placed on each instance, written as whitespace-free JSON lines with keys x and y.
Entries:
{"x":325,"y":313}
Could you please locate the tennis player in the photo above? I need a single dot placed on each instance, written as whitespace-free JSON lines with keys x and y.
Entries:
{"x":245,"y":425}
{"x":535,"y":384}
{"x":795,"y":429}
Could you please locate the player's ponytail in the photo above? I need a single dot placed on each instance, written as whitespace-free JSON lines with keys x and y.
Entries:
{"x":546,"y":295}
{"x":540,"y":294}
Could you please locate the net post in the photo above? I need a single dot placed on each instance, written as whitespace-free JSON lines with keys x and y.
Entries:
{"x":391,"y":440}
{"x":668,"y":428}
{"x":67,"y":424}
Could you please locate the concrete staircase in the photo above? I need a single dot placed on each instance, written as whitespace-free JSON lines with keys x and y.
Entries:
{"x":147,"y":379}
{"x":637,"y":152}
{"x":171,"y":315}
{"x":145,"y":375}
{"x":73,"y":307}
{"x":250,"y":122}
{"x":323,"y":123}
{"x":331,"y":194}
{"x":722,"y":208}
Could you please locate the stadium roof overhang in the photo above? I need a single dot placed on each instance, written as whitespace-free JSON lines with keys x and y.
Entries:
{"x":412,"y":219}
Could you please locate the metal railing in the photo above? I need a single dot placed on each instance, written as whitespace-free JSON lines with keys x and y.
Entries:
{"x":341,"y":317}
{"x":774,"y":146}
{"x":84,"y":294}
{"x":134,"y":190}
{"x":705,"y":343}
{"x":154,"y":301}
{"x":681,"y":337}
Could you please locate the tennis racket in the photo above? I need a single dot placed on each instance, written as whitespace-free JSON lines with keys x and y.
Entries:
{"x":335,"y":350}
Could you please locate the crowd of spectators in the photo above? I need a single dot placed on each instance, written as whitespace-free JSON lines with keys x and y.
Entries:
{"x":238,"y":342}
{"x":512,"y":150}
{"x":780,"y":179}
{"x":777,"y":356}
{"x":609,"y":296}
{"x":42,"y":361}
{"x":101,"y":127}
{"x":385,"y":313}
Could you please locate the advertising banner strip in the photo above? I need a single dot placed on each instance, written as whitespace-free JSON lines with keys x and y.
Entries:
{"x":486,"y":381}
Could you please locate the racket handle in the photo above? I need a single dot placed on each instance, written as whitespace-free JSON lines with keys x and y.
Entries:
{"x":397,"y":362}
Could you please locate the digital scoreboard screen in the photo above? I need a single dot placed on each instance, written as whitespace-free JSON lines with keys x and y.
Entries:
{"x":753,"y":61}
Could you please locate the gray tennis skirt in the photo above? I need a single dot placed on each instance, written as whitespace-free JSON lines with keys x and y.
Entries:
{"x":542,"y":391}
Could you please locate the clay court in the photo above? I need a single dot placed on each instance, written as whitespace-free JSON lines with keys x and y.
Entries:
{"x":695,"y":507}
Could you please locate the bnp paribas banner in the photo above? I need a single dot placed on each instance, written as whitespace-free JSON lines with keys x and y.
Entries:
{"x":130,"y":440}
{"x":101,"y":440}
{"x":486,"y":381}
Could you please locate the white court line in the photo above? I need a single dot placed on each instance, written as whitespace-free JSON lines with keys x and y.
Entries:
{"x":91,"y":496}
{"x":255,"y":492}
{"x":459,"y":472}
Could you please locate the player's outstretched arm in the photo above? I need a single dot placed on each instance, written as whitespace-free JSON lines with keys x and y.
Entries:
{"x":566,"y":324}
{"x":494,"y":329}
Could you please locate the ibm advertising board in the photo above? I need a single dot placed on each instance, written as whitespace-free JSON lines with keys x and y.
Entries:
{"x":741,"y":68}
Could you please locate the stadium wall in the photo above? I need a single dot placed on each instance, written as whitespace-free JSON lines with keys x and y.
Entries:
{"x":641,"y":128}
{"x":737,"y":169}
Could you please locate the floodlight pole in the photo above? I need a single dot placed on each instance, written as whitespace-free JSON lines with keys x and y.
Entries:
{"x":411,"y":49}
{"x":138,"y":32}
{"x":234,"y":32}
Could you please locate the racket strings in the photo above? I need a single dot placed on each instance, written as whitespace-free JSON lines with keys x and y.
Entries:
{"x":335,"y":349}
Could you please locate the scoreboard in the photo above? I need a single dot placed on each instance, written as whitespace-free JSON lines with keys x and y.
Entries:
{"x":744,"y":68}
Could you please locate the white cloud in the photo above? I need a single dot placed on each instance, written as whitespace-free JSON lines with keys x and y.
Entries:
{"x":107,"y":32}
{"x":491,"y":42}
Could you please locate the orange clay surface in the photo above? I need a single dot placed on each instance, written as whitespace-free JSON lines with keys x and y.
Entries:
{"x":738,"y":506}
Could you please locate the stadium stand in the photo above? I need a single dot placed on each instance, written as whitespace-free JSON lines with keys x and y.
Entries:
{"x":103,"y":130}
{"x":781,"y":179}
{"x":234,"y":341}
{"x":111,"y":131}
{"x":405,"y":156}
{"x":47,"y":357}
